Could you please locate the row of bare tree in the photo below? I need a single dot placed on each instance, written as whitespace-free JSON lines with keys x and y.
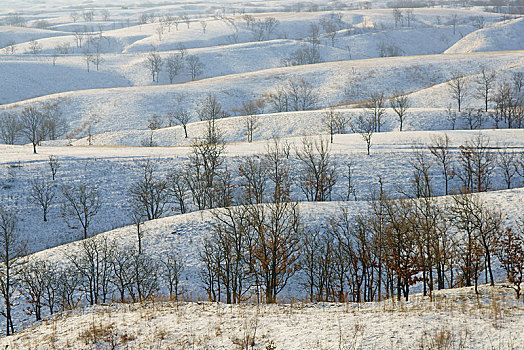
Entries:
{"x":97,"y":271}
{"x":254,"y":249}
{"x":34,"y":123}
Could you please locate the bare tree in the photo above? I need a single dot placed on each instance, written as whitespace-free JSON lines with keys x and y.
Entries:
{"x":174,"y":65}
{"x":183,"y":117}
{"x":196,"y":68}
{"x":507,"y":161}
{"x":154,"y":63}
{"x":81,"y":204}
{"x":173,"y":266}
{"x":276,"y":246}
{"x":88,"y":57}
{"x":11,"y":250}
{"x":410,"y":16}
{"x":486,"y":84}
{"x":10,"y":47}
{"x":54,"y":164}
{"x":301,"y":95}
{"x":253,"y":172}
{"x":441,"y":150}
{"x":397,"y":16}
{"x":365,"y":126}
{"x":400,"y":104}
{"x":510,"y":252}
{"x":205,"y":162}
{"x":9,"y":127}
{"x":105,"y":14}
{"x":210,"y":108}
{"x":458,"y":86}
{"x":318,"y":172}
{"x":204,"y":25}
{"x":477,"y":162}
{"x":79,"y":37}
{"x":376,"y":107}
{"x":35,"y":47}
{"x":33,"y":125}
{"x":333,"y":121}
{"x":178,"y":189}
{"x":42,"y":193}
{"x":93,"y":262}
{"x":33,"y":286}
{"x":149,"y":194}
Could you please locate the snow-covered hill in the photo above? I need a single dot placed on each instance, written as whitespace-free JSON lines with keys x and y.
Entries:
{"x":502,"y":36}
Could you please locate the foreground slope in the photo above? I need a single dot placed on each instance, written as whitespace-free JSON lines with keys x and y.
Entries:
{"x":454,"y":319}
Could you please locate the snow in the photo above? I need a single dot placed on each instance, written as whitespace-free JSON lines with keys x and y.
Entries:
{"x":113,"y":105}
{"x":500,"y":37}
{"x":454,"y":319}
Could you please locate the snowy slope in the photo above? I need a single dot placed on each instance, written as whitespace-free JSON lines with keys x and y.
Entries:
{"x":503,"y":36}
{"x":454,"y":319}
{"x":335,"y":82}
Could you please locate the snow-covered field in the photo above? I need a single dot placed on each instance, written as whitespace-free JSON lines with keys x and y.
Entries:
{"x":456,"y":319}
{"x":43,"y":50}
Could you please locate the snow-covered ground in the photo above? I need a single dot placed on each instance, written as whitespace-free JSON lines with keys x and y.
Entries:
{"x":108,"y":111}
{"x":454,"y":319}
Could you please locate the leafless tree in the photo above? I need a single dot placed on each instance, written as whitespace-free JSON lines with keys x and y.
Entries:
{"x":410,"y":16}
{"x":183,"y":117}
{"x":365,"y":126}
{"x":318,"y":173}
{"x":160,"y":31}
{"x":510,"y":252}
{"x":333,"y":121}
{"x":178,"y":189}
{"x":93,"y":262}
{"x":376,"y":108}
{"x":397,"y":16}
{"x":79,"y":37}
{"x":35,"y":47}
{"x":205,"y":162}
{"x":11,"y":250}
{"x":42,"y":194}
{"x":253,"y":173}
{"x":10,"y":47}
{"x":196,"y":68}
{"x":149,"y":194}
{"x":276,"y":161}
{"x":33,"y":125}
{"x":477,"y":162}
{"x":81,"y":204}
{"x":54,"y":165}
{"x":458,"y":88}
{"x":174,"y":65}
{"x":154,"y":63}
{"x":74,"y":16}
{"x":302,"y":95}
{"x":440,"y":148}
{"x":88,"y":15}
{"x":204,"y":25}
{"x":88,"y":57}
{"x":34,"y":281}
{"x":507,"y":161}
{"x":9,"y":127}
{"x":276,"y":245}
{"x":121,"y":276}
{"x":155,"y":122}
{"x":210,"y":109}
{"x":105,"y":14}
{"x":486,"y":84}
{"x":173,"y":266}
{"x":400,"y":105}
